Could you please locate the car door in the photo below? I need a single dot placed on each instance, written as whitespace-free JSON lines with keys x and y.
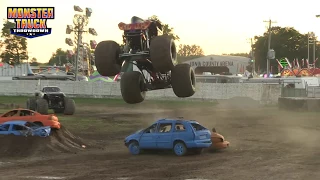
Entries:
{"x":164,"y":135}
{"x":25,"y":115}
{"x":18,"y":130}
{"x":148,"y":138}
{"x":8,"y":116}
{"x":4,"y":129}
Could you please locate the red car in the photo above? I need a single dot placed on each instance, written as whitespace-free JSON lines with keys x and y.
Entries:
{"x":218,"y":141}
{"x":31,"y":116}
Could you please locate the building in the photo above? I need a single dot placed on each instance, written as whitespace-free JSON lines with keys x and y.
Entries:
{"x":219,"y":64}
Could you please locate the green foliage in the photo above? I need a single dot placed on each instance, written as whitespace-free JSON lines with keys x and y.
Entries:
{"x":15,"y":46}
{"x":59,"y":58}
{"x":188,"y":52}
{"x":34,"y":62}
{"x":166,"y":29}
{"x":287,"y":42}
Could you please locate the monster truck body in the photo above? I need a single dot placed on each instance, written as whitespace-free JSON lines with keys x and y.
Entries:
{"x":152,"y":53}
{"x":51,"y":97}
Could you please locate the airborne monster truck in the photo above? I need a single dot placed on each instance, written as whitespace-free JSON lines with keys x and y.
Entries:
{"x":51,"y":97}
{"x":152,"y":53}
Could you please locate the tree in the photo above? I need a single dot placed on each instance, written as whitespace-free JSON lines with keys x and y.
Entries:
{"x":286,"y":42}
{"x":59,"y":58}
{"x":187,"y":52}
{"x":15,"y":50}
{"x":34,"y":62}
{"x":166,"y":29}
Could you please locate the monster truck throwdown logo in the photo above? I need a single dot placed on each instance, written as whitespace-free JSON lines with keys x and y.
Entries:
{"x":31,"y":22}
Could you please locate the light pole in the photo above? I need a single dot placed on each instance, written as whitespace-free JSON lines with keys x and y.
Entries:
{"x":80,"y":22}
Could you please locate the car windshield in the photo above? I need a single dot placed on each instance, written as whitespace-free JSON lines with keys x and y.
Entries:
{"x":51,"y":89}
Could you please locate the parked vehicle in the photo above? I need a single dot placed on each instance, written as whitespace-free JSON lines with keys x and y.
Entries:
{"x":218,"y":141}
{"x":24,"y":128}
{"x":181,"y":136}
{"x":31,"y":116}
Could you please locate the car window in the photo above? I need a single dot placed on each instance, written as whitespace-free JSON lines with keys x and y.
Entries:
{"x":25,"y":113}
{"x":11,"y":113}
{"x":165,"y":127}
{"x":51,"y":89}
{"x":4,"y":127}
{"x":151,"y":129}
{"x":179,"y":127}
{"x":198,"y":127}
{"x":18,"y":128}
{"x":30,"y":124}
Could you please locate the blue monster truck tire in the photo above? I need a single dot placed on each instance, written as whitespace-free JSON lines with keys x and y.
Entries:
{"x":163,"y":53}
{"x":107,"y":58}
{"x":132,"y":85}
{"x":183,"y":80}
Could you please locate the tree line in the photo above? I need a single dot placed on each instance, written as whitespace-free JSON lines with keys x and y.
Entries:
{"x":286,"y":41}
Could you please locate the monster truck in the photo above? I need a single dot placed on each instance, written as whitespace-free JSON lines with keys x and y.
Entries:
{"x":153,"y":53}
{"x":51,"y":97}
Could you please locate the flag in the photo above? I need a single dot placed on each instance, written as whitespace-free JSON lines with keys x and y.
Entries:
{"x":294,"y":63}
{"x":314,"y":62}
{"x":298,"y":63}
{"x":288,"y":62}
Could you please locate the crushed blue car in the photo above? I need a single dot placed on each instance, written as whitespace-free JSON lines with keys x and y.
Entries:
{"x":179,"y":135}
{"x":24,"y":128}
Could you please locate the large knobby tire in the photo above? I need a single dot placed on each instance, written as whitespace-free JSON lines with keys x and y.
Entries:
{"x":69,"y":106}
{"x":132,"y":85}
{"x":31,"y":103}
{"x":42,"y":106}
{"x":107,"y":58}
{"x":183,"y":80}
{"x":163,"y":53}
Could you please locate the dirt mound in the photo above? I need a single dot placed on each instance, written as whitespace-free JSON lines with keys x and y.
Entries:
{"x":60,"y":141}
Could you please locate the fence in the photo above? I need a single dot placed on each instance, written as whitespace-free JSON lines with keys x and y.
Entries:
{"x":263,"y":93}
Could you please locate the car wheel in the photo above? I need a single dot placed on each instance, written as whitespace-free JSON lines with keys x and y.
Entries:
{"x":134,"y":148}
{"x":180,"y":149}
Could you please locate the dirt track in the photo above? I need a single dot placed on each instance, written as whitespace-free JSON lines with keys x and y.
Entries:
{"x":265,"y":144}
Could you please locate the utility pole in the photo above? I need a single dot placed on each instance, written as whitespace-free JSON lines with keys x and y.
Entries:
{"x":252,"y":56}
{"x":311,"y":41}
{"x":269,"y":44}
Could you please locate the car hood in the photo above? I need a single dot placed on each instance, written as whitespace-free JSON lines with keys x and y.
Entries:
{"x":132,"y":136}
{"x":54,"y":93}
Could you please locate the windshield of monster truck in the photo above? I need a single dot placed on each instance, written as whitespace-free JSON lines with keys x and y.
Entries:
{"x":51,"y":89}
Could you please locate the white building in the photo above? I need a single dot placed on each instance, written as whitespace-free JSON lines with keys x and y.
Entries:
{"x":218,"y":64}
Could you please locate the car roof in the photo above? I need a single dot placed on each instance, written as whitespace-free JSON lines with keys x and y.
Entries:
{"x":18,"y":122}
{"x":21,"y":109}
{"x":171,"y":120}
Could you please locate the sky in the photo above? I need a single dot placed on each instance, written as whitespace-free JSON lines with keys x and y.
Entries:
{"x":217,"y":26}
